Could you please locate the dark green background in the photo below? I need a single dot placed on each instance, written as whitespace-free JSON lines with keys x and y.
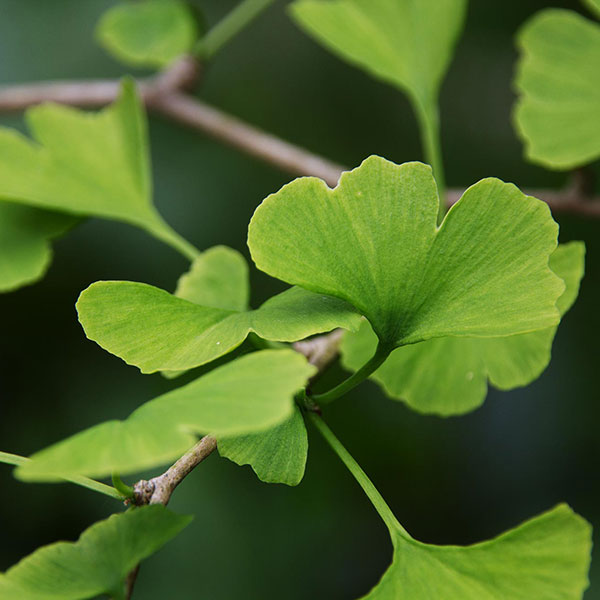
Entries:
{"x":457,"y":480}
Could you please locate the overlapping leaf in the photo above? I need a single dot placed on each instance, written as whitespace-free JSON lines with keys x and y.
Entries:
{"x":154,"y":330}
{"x":25,"y":249}
{"x":249,"y":394}
{"x":152,"y":33}
{"x":97,"y":563}
{"x":373,"y":241}
{"x":449,"y":375}
{"x":546,"y":558}
{"x":219,"y":278}
{"x":558,"y":111}
{"x":277,"y":455}
{"x":84,"y":163}
{"x":407,"y":43}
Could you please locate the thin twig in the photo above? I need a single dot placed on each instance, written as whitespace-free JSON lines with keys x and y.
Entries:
{"x":165,"y":94}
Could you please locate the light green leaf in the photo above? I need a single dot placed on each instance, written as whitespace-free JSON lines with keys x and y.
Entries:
{"x":407,"y":43}
{"x":148,"y":34}
{"x":156,"y":331}
{"x":276,"y":456}
{"x":95,"y":564}
{"x":558,"y":111}
{"x":25,"y":250}
{"x":448,"y":376}
{"x":250,"y":394}
{"x":217,"y":278}
{"x":546,"y":558}
{"x":83,"y":163}
{"x":373,"y":242}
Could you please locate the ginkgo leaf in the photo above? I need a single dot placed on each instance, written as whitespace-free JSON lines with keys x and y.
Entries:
{"x":152,"y":33}
{"x":252,"y":393}
{"x":448,"y":376}
{"x":558,"y":110}
{"x":25,"y":249}
{"x":217,"y":278}
{"x":156,"y":331}
{"x":277,"y":455}
{"x":407,"y":43}
{"x":546,"y":558}
{"x":373,"y":241}
{"x":95,"y":564}
{"x":83,"y":163}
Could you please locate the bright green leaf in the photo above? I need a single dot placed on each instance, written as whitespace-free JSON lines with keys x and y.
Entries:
{"x":252,"y":393}
{"x":407,"y":43}
{"x":25,"y":249}
{"x":95,"y":564}
{"x":152,"y":33}
{"x":276,"y":456}
{"x":448,"y":376}
{"x":217,"y":278}
{"x":373,"y":242}
{"x":558,"y":111}
{"x":546,"y":558}
{"x":83,"y":163}
{"x":154,"y":330}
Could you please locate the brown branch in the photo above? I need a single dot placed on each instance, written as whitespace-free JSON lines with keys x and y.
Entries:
{"x":165,"y":94}
{"x":158,"y":490}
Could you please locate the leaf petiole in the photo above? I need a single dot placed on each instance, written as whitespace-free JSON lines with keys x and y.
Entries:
{"x":381,"y":353}
{"x":125,"y":490}
{"x":385,"y":512}
{"x":86,"y":482}
{"x":241,"y":16}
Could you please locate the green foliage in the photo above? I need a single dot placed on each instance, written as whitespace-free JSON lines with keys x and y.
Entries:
{"x":276,"y":456}
{"x":217,"y":278}
{"x":97,"y":563}
{"x":558,"y":111}
{"x":249,"y":394}
{"x":87,"y":164}
{"x":546,"y":558}
{"x":25,"y":250}
{"x":407,"y":43}
{"x":152,"y":33}
{"x":156,"y":331}
{"x":373,"y":242}
{"x":448,"y":376}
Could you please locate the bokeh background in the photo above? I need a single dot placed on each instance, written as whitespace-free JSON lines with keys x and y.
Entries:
{"x":456,"y":480}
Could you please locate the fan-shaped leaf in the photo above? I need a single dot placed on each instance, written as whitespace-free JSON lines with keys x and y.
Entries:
{"x":373,"y":242}
{"x":276,"y":456}
{"x":217,"y":278}
{"x":25,"y":249}
{"x":558,"y":111}
{"x":546,"y":558}
{"x":449,"y":375}
{"x":249,"y":394}
{"x":407,"y":43}
{"x":149,"y":34}
{"x":85,"y":164}
{"x":156,"y":331}
{"x":95,"y":564}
